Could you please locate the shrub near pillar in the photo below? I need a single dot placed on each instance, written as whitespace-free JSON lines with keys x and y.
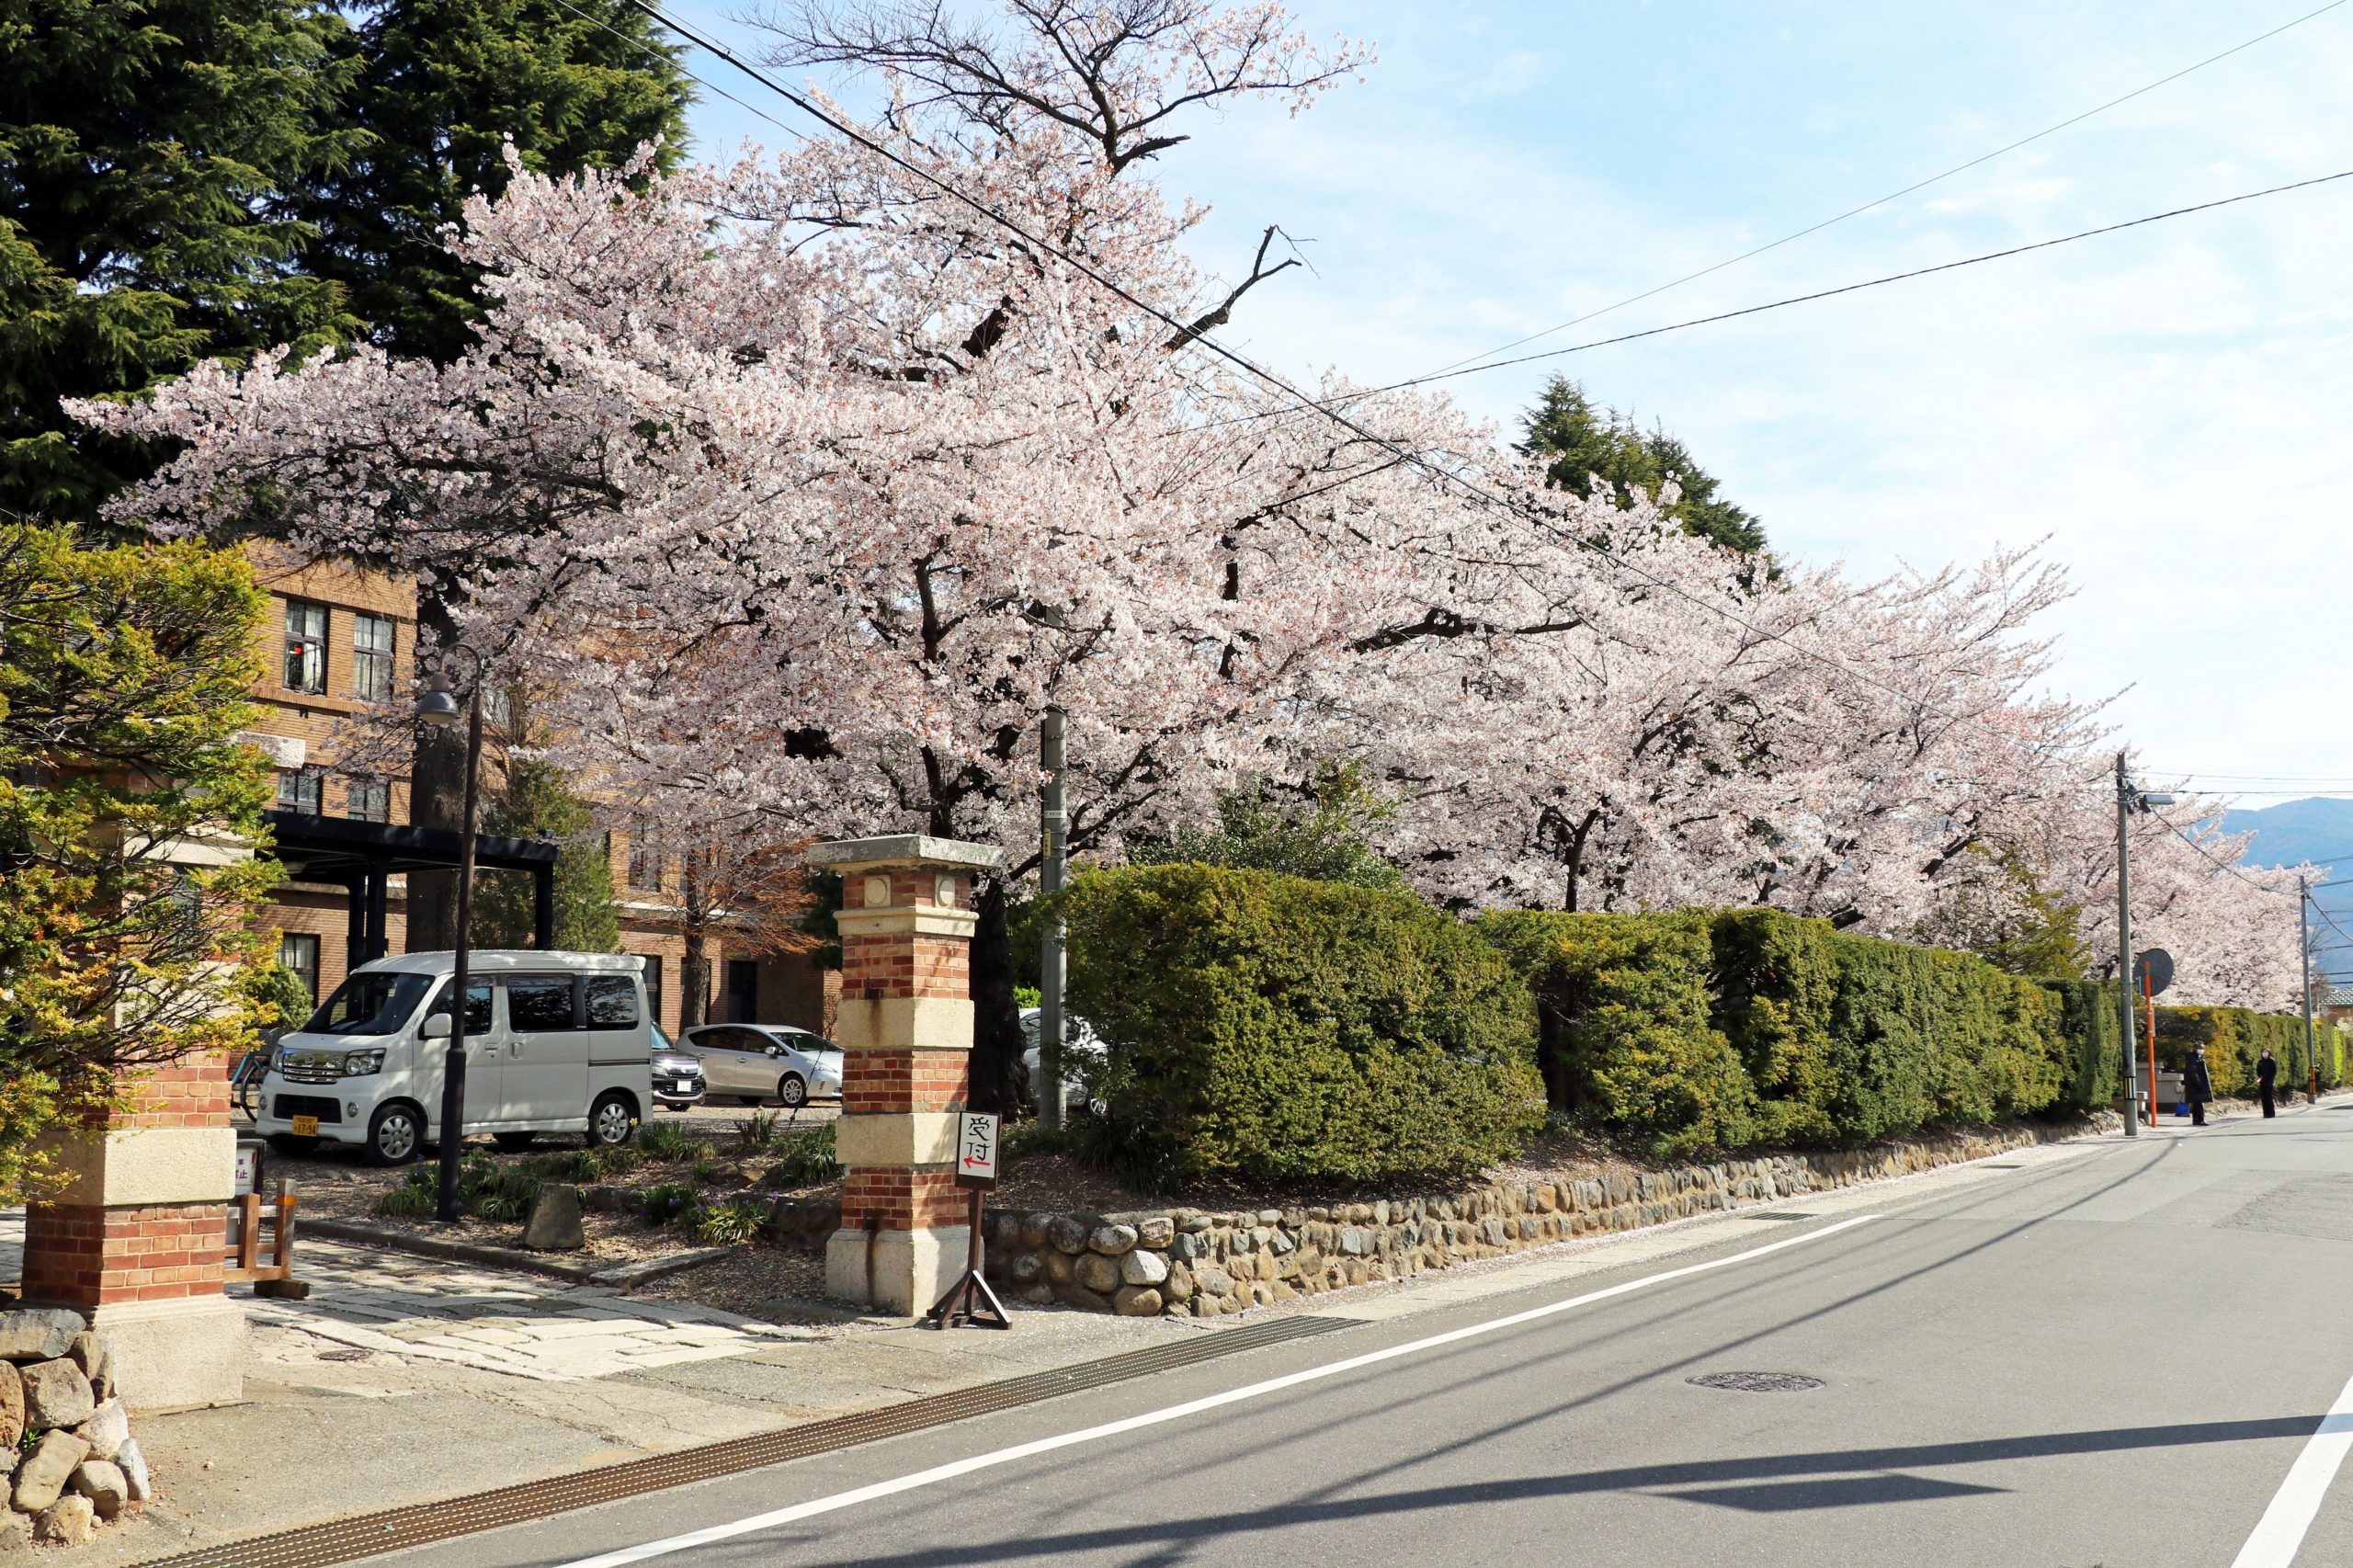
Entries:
{"x":906,"y":1031}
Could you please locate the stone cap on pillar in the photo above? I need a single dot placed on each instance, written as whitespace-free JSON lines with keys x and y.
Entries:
{"x":895,"y":851}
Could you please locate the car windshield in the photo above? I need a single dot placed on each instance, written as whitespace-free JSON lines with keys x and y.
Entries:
{"x":369,"y":1003}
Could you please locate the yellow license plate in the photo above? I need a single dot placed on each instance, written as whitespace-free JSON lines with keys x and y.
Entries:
{"x":306,"y":1127}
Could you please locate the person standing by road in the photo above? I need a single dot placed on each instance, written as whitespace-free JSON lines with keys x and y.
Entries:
{"x":2266,"y":1072}
{"x":2196,"y":1085}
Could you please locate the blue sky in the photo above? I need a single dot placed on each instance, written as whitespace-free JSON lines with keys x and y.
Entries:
{"x":2165,"y":407}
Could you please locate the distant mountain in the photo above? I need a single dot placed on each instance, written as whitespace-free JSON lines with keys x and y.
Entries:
{"x":2288,"y":833}
{"x":2293,"y":832}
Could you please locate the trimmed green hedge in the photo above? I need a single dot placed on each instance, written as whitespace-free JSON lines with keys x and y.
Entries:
{"x":1274,"y":1028}
{"x":1707,"y":1029}
{"x":2234,"y":1039}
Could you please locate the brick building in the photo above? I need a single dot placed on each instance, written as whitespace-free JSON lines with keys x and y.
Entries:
{"x":338,"y":638}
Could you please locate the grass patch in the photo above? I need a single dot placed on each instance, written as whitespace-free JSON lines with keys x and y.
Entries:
{"x":722,"y":1224}
{"x":671,"y":1143}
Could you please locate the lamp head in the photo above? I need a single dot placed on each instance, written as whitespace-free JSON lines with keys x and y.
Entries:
{"x":437,"y":707}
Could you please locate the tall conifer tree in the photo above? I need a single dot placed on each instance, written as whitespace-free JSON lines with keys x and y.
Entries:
{"x":443,"y":86}
{"x":149,"y":154}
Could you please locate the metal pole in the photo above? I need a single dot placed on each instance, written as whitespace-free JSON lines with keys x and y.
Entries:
{"x":453,"y":1062}
{"x":1053,"y":817}
{"x":2124,"y":944}
{"x":2304,"y":943}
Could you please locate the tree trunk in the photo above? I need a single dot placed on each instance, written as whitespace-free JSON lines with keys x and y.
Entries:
{"x":437,"y":797}
{"x":1000,"y":1080}
{"x":694,"y":924}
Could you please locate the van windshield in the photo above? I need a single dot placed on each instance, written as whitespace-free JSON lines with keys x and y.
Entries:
{"x":369,"y":1003}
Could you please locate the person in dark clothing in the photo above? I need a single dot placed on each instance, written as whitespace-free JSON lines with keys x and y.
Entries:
{"x":2266,"y":1071}
{"x":2196,"y":1086}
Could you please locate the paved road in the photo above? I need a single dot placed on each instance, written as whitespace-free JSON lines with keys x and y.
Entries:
{"x":2109,"y":1354}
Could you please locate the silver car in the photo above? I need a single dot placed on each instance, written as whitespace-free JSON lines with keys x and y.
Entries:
{"x":757,"y":1062}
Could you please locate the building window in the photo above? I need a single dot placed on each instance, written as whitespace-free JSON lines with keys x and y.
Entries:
{"x":653,"y":986}
{"x":372,"y":637}
{"x":298,"y":952}
{"x":298,"y":790}
{"x":367,"y":800}
{"x":306,"y":646}
{"x":644,"y":863}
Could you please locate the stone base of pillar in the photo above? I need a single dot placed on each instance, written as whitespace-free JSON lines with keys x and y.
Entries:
{"x":172,"y":1354}
{"x":900,"y":1272}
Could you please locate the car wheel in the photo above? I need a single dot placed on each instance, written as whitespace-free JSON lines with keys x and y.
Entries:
{"x":515,"y":1141}
{"x":395,"y":1134}
{"x":793,"y":1090}
{"x":288,"y":1143}
{"x":612,"y":1120}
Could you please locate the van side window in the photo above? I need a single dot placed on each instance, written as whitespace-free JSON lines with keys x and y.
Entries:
{"x":612,"y":1002}
{"x":477,"y":1007}
{"x":539,"y":1003}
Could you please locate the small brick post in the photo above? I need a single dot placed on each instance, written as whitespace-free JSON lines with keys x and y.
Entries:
{"x":135,"y":1239}
{"x":905,"y":1030}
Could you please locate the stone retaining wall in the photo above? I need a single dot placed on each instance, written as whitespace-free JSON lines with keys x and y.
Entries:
{"x":1178,"y":1261}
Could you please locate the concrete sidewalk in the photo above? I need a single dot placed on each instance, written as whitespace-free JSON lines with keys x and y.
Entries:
{"x":404,"y":1380}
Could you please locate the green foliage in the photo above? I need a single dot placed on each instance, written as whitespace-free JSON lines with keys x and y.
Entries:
{"x":804,"y":1159}
{"x":487,"y":1189}
{"x":150,"y":153}
{"x":723,"y":1225}
{"x":418,"y":1197}
{"x":1580,"y":441}
{"x":589,"y":1164}
{"x":1323,"y":837}
{"x":1698,"y":1030}
{"x":2088,"y":1023}
{"x":757,"y":1130}
{"x":440,"y":87}
{"x":536,"y":801}
{"x":277,"y":996}
{"x":669,"y":1200}
{"x":124,"y":676}
{"x":1028,"y":996}
{"x":1271,"y":1028}
{"x":2234,"y":1039}
{"x":670,"y":1142}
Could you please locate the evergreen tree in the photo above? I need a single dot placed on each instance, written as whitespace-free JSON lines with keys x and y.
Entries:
{"x":1583,"y":441}
{"x":536,"y":801}
{"x":443,"y":85}
{"x":148,"y":154}
{"x":1325,"y":836}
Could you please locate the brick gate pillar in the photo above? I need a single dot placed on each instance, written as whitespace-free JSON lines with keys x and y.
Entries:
{"x":134,"y":1238}
{"x":905,"y":1030}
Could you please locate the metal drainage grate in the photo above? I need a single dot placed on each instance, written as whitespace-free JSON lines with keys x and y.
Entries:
{"x":397,"y":1529}
{"x":1777,"y":1214}
{"x":1759,"y":1382}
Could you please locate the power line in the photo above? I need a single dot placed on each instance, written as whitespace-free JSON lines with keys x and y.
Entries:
{"x":1846,"y":289}
{"x":1896,"y":195}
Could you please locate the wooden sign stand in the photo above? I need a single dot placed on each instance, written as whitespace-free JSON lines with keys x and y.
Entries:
{"x":969,"y":1303}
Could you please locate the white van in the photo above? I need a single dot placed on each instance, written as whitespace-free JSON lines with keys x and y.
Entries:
{"x":555,"y":1042}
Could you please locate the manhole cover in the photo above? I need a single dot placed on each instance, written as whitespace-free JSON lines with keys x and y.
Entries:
{"x":1759,"y":1382}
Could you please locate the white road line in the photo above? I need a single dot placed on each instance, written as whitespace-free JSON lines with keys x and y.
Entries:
{"x":2281,"y":1529}
{"x":938,"y":1473}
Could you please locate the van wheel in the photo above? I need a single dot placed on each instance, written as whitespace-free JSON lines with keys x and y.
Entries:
{"x":515,"y":1141}
{"x":287,"y":1144}
{"x":612,"y":1120}
{"x":793,"y":1090}
{"x":395,"y":1134}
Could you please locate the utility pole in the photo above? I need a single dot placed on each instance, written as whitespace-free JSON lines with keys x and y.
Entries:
{"x":2304,"y":945}
{"x":1053,"y":821}
{"x":2124,"y":942}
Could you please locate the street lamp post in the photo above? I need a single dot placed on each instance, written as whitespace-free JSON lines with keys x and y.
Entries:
{"x":439,"y":708}
{"x":2128,"y":800}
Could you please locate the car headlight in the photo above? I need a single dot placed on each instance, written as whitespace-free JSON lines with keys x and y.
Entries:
{"x":360,"y":1063}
